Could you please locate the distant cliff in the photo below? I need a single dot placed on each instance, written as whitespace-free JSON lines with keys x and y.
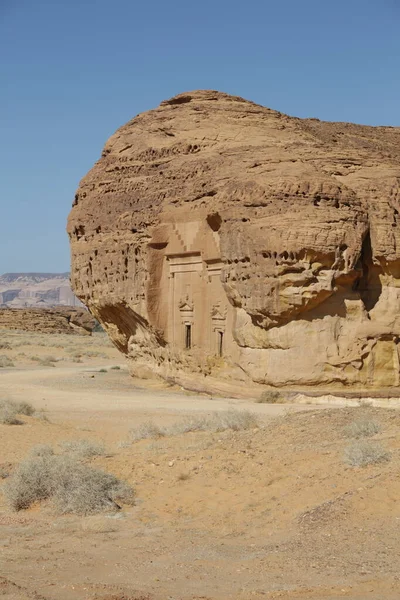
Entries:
{"x":19,"y":290}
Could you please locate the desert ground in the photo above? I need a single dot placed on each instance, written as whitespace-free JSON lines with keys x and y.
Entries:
{"x":284,"y":508}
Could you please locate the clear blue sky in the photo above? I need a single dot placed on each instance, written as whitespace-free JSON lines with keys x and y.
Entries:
{"x":72,"y":71}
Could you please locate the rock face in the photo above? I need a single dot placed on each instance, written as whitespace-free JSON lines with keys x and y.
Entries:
{"x":19,"y":290}
{"x":218,"y":237}
{"x":42,"y":320}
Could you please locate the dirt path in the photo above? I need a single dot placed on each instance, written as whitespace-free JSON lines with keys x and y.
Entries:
{"x":86,"y":389}
{"x":271,"y":512}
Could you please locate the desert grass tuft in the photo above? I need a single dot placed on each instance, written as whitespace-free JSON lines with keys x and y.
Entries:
{"x":216,"y":422}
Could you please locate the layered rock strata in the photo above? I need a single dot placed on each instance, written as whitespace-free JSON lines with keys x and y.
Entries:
{"x":219,"y":237}
{"x":40,"y":290}
{"x":48,"y":320}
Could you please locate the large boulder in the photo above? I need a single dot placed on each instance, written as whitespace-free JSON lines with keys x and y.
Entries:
{"x":218,"y":237}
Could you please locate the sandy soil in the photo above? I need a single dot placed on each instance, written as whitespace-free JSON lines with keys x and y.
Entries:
{"x":273,"y":512}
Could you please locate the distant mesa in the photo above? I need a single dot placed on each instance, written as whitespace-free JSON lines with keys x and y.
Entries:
{"x":216,"y":238}
{"x":21,"y":290}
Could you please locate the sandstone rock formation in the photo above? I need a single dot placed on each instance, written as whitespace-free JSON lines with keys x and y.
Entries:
{"x":218,"y":237}
{"x":42,"y":320}
{"x":18,"y":290}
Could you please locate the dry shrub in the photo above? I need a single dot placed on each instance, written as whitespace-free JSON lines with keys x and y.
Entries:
{"x":82,"y":449}
{"x":94,"y":354}
{"x":218,"y":421}
{"x":72,"y":487}
{"x":50,"y":358}
{"x":5,"y":362}
{"x":42,"y":416}
{"x":24,"y":408}
{"x":4,"y":472}
{"x":146,"y":431}
{"x":5,"y":346}
{"x":269,"y":397}
{"x":41,"y":450}
{"x":73,"y":350}
{"x":363,"y":453}
{"x":44,"y":361}
{"x":361,"y":428}
{"x":9,"y":411}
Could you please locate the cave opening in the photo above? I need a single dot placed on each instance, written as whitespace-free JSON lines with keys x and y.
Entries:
{"x":369,"y":284}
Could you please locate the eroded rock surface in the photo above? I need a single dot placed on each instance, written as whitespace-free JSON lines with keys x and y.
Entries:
{"x":48,"y":320}
{"x":218,"y":237}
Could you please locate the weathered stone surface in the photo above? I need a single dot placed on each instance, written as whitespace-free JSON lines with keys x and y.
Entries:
{"x":48,"y":320}
{"x":21,"y":290}
{"x":269,"y":245}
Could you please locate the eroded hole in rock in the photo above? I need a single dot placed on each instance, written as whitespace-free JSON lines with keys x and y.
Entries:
{"x":79,"y":231}
{"x":184,"y":99}
{"x":214,"y":221}
{"x":369,"y":284}
{"x":157,"y":245}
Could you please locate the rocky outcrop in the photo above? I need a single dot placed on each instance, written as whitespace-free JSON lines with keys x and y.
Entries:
{"x":218,"y":237}
{"x":42,"y":320}
{"x":18,"y":290}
